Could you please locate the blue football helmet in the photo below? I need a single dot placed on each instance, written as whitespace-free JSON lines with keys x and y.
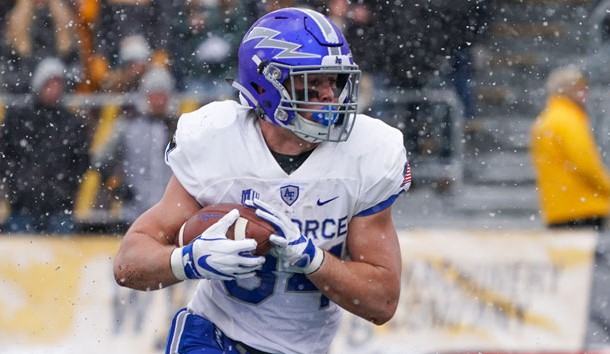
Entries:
{"x":291,"y":44}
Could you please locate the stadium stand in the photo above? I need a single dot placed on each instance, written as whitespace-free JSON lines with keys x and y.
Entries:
{"x":484,"y":178}
{"x":525,"y":40}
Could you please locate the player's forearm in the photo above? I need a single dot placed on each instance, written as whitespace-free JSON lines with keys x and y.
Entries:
{"x":368,"y":291}
{"x":143,"y":265}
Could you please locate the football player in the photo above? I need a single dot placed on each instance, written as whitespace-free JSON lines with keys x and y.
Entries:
{"x":295,"y":150}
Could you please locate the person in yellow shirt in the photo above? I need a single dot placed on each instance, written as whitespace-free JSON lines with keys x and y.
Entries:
{"x":573,"y":183}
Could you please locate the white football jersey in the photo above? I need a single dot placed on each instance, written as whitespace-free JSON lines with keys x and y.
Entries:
{"x":219,"y":156}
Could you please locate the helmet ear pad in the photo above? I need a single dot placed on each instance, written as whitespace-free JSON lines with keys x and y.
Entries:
{"x":272,"y":93}
{"x":264,"y":91}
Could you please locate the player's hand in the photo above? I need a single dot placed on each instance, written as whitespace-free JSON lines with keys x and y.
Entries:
{"x":212,"y":256}
{"x":298,"y":253}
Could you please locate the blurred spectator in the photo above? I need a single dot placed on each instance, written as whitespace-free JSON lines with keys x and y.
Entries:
{"x":573,"y":183}
{"x":134,"y":55}
{"x":131,"y":155}
{"x":236,"y":16}
{"x":131,"y":159}
{"x":467,"y":22}
{"x":94,"y":66}
{"x":419,"y":43}
{"x":358,"y":22}
{"x":427,"y":45}
{"x":426,"y":37}
{"x":151,"y":19}
{"x":204,"y":52}
{"x":36,"y":29}
{"x":105,"y":25}
{"x":44,"y":153}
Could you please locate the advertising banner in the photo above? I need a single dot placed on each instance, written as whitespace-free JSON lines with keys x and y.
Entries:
{"x":473,"y":291}
{"x":461,"y":291}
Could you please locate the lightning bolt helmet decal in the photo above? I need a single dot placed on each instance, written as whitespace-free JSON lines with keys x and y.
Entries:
{"x":289,"y":49}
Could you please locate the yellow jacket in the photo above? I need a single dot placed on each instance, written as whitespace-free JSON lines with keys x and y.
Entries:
{"x":572,"y":180}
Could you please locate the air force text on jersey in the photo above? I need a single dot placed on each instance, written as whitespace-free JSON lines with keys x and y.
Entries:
{"x":323,"y":229}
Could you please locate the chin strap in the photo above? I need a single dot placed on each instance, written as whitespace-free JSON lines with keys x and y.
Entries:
{"x":308,"y":130}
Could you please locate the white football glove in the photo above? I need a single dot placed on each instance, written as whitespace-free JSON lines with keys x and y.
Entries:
{"x":212,"y":256}
{"x":297,"y":253}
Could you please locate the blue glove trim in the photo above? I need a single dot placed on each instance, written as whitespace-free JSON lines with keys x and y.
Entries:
{"x":202,"y":261}
{"x":189,"y":266}
{"x":308,"y":254}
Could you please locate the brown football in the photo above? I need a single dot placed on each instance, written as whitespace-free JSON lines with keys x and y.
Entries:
{"x":247,"y":226}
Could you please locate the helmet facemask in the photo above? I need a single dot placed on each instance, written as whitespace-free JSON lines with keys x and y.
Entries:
{"x":330,"y":121}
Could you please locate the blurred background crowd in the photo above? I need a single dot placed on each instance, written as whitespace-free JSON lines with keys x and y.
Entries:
{"x":107,"y":45}
{"x":90,"y":91}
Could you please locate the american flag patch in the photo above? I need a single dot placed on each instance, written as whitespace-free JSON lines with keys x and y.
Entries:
{"x":407,"y":174}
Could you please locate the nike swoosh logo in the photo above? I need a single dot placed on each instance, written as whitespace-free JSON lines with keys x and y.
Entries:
{"x":323,"y":202}
{"x":203,"y":263}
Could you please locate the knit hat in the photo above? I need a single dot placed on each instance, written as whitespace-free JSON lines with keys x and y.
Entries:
{"x":157,"y":79}
{"x":47,"y":69}
{"x":563,"y":80}
{"x":134,"y":48}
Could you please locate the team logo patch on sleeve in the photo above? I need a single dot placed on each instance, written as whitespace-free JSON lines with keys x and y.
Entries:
{"x":407,"y":175}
